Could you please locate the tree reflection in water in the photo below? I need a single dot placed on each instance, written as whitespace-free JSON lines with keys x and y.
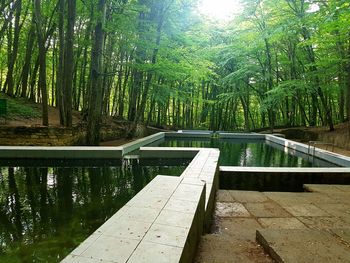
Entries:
{"x":47,"y":211}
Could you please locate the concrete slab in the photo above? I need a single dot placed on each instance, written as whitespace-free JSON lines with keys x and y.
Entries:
{"x":238,"y":228}
{"x":303,"y":245}
{"x":322,"y":188}
{"x":281,"y":223}
{"x":223,"y":196}
{"x":248,"y":196}
{"x":344,"y":234}
{"x":266,"y":209}
{"x":338,"y":210}
{"x":150,"y":252}
{"x":318,"y":222}
{"x":181,"y":205}
{"x":230,"y":210}
{"x":305,"y":210}
{"x":104,"y":248}
{"x":167,"y":235}
{"x":125,"y":229}
{"x":286,"y":198}
{"x":175,"y":218}
{"x":75,"y":259}
{"x":213,"y":249}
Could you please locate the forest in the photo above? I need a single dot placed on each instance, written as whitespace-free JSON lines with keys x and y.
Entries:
{"x":162,"y":63}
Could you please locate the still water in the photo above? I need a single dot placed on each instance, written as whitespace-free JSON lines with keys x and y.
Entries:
{"x":251,"y":152}
{"x":47,"y":209}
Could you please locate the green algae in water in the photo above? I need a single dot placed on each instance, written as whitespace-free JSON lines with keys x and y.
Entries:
{"x":45,"y":212}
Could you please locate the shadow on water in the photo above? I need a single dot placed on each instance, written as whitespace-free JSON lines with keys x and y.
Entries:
{"x":46,"y":211}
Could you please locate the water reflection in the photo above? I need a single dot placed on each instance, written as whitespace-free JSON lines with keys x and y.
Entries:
{"x":248,"y":152}
{"x":47,"y":211}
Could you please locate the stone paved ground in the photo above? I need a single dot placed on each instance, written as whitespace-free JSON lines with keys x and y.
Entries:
{"x":312,"y":226}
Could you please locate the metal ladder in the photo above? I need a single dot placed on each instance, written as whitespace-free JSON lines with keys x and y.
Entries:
{"x":314,"y":143}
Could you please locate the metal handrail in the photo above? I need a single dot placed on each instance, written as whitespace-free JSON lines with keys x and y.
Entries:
{"x":314,"y":143}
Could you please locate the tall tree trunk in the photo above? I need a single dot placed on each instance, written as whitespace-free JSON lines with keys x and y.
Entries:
{"x":42,"y":62}
{"x":13,"y":56}
{"x":95,"y":100}
{"x":27,"y":60}
{"x":69,"y":63}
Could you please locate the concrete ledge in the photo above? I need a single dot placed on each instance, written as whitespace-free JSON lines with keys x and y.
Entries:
{"x":132,"y":146}
{"x":57,"y":152}
{"x":162,"y":223}
{"x":188,"y":134}
{"x":338,"y":159}
{"x":241,"y":135}
{"x":334,"y":170}
{"x":168,"y":152}
{"x":195,"y":131}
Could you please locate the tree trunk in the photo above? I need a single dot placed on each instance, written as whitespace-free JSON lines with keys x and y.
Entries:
{"x":42,"y":62}
{"x":69,"y":63}
{"x":95,"y":100}
{"x":13,"y":54}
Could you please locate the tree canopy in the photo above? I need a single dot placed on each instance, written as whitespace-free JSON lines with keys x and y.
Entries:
{"x":160,"y":62}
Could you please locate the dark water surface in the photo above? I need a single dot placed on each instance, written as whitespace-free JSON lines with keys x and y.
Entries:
{"x":248,"y":152}
{"x":47,"y":209}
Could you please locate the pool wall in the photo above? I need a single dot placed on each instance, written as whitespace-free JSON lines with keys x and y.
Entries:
{"x":57,"y":152}
{"x":319,"y":153}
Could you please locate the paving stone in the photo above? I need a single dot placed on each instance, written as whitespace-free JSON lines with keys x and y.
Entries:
{"x":303,"y":245}
{"x":344,"y":234}
{"x":248,"y":196}
{"x":344,"y":188}
{"x":266,"y":209}
{"x":104,"y":248}
{"x":167,"y":235}
{"x":281,"y":223}
{"x":212,"y":249}
{"x":322,"y":188}
{"x":305,"y":210}
{"x":341,"y":198}
{"x":230,"y":210}
{"x":238,"y":228}
{"x":338,"y":210}
{"x":148,"y":252}
{"x":317,"y":222}
{"x":223,"y":196}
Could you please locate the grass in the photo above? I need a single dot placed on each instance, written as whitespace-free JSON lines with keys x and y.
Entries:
{"x":20,"y":108}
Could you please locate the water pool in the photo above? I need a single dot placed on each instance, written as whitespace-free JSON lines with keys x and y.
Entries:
{"x":247,"y":152}
{"x":48,"y":209}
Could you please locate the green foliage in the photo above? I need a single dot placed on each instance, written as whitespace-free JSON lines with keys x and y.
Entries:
{"x":21,"y":108}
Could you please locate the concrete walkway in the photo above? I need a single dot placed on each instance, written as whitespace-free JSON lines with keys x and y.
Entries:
{"x":249,"y":226}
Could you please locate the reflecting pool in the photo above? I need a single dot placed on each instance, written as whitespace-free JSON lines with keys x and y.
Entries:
{"x":47,"y":209}
{"x":248,"y":152}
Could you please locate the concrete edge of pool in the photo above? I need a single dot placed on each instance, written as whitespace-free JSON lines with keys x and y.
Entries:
{"x":164,"y":220}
